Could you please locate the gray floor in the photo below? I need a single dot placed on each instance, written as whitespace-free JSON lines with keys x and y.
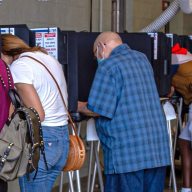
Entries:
{"x":96,"y":189}
{"x":13,"y":186}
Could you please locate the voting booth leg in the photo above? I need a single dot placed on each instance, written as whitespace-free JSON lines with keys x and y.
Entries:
{"x":61,"y":182}
{"x":180,"y":107}
{"x":93,"y":140}
{"x":70,"y":182}
{"x":179,"y":126}
{"x":97,"y":168}
{"x":77,"y":172}
{"x":71,"y":187}
{"x":91,"y":176}
{"x":90,"y":166}
{"x":77,"y":179}
{"x":171,"y":156}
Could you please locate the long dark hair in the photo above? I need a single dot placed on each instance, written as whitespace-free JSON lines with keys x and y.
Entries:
{"x":12,"y":45}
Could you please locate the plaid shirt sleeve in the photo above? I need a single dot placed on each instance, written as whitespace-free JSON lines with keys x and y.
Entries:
{"x":102,"y":98}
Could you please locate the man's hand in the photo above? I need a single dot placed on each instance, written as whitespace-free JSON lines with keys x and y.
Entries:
{"x":82,"y":108}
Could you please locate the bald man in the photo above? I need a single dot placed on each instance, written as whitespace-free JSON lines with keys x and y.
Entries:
{"x":130,"y":122}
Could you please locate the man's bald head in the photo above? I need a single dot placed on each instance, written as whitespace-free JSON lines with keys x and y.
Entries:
{"x":107,"y":39}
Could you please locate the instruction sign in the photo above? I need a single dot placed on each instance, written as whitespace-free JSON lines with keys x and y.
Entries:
{"x":48,"y":39}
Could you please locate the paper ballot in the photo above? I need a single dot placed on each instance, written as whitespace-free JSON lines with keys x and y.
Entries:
{"x":91,"y":131}
{"x":169,"y":111}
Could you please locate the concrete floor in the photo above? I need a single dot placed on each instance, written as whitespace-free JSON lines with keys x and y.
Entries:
{"x":13,"y":186}
{"x":96,"y":189}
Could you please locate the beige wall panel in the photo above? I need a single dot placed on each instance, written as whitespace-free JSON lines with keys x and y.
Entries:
{"x":129,"y":15}
{"x":187,"y":24}
{"x":106,"y":12}
{"x":67,"y":14}
{"x":144,"y":12}
{"x":176,"y":24}
{"x":75,"y":15}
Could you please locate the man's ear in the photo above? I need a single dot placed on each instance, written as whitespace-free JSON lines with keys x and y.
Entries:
{"x":101,"y":45}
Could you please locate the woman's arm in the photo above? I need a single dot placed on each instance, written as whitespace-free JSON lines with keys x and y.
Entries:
{"x":30,"y":98}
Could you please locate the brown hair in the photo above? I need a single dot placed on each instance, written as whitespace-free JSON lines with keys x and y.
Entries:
{"x":13,"y":45}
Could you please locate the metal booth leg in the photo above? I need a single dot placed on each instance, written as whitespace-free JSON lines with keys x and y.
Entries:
{"x":171,"y":156}
{"x":61,"y":182}
{"x":97,"y":167}
{"x":78,"y":181}
{"x":93,"y":139}
{"x":179,"y":126}
{"x":90,"y":166}
{"x":70,"y":181}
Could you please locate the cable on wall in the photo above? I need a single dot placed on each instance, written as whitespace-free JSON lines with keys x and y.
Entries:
{"x":168,"y":14}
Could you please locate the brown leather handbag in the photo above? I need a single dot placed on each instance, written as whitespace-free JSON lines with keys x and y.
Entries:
{"x":76,"y":155}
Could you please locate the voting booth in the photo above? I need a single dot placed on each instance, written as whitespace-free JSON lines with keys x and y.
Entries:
{"x":74,"y":50}
{"x":81,"y":63}
{"x":22,"y":31}
{"x":161,"y":62}
{"x":186,"y":42}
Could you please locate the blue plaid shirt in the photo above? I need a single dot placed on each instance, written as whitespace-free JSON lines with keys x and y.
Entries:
{"x":132,"y":127}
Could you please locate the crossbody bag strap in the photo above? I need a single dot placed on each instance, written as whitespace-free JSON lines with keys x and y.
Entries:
{"x":70,"y":118}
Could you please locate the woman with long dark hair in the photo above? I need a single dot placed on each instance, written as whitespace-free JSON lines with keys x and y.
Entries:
{"x":38,"y":90}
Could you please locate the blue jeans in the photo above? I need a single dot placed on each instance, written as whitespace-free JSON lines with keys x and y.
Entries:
{"x":56,"y":141}
{"x":149,"y":180}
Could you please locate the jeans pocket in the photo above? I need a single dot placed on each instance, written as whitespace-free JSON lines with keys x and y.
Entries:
{"x":53,"y":151}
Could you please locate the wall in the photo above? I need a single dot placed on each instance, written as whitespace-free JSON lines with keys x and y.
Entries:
{"x":76,"y":15}
{"x":187,"y":24}
{"x":66,"y":14}
{"x":146,"y":11}
{"x":129,"y":15}
{"x":177,"y":24}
